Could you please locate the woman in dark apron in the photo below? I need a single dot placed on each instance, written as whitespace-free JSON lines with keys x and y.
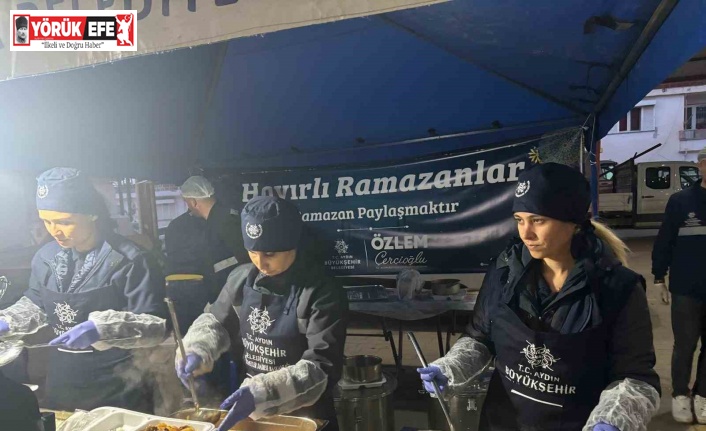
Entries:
{"x":101,"y":295}
{"x":565,"y":321}
{"x":286,"y":317}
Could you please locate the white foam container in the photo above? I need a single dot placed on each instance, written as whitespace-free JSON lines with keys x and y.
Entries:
{"x":110,"y":418}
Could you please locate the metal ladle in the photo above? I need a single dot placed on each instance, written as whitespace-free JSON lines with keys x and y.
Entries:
{"x":444,"y":408}
{"x":203,"y":415}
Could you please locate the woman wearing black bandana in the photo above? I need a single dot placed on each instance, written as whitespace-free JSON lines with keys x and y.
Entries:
{"x":565,"y":321}
{"x":101,"y":295}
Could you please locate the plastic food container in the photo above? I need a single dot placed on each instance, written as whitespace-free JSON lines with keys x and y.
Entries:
{"x":114,"y":419}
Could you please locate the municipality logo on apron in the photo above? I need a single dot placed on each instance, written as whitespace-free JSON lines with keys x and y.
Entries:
{"x":539,"y":357}
{"x":259,"y":320}
{"x":65,"y":313}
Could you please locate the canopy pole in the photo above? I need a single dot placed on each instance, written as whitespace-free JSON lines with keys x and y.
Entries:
{"x":594,"y":160}
{"x":120,"y":194}
{"x":658,"y":18}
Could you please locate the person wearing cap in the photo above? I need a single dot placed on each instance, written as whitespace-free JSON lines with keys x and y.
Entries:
{"x":287,"y":315}
{"x":21,"y":30}
{"x":184,"y":244}
{"x":562,"y":317}
{"x":101,"y":295}
{"x":678,"y":249}
{"x":225,"y":242}
{"x":192,"y":284}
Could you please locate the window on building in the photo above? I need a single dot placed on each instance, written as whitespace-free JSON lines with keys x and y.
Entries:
{"x":658,"y":178}
{"x":695,"y":117}
{"x":639,"y":119}
{"x":688,"y":175}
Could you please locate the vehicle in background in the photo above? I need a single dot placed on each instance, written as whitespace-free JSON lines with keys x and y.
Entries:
{"x":636,"y":194}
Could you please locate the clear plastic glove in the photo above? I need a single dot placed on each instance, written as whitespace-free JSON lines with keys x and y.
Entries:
{"x":4,"y":327}
{"x":664,"y":290}
{"x":433,"y":373}
{"x":604,"y":427}
{"x":79,"y":337}
{"x":243,"y":404}
{"x":186,"y":368}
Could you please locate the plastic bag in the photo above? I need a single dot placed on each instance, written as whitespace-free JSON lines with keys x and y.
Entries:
{"x":409,"y":284}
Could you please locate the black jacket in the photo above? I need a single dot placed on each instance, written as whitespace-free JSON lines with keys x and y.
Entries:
{"x":681,"y":242}
{"x":224,"y":227}
{"x":598,"y":290}
{"x":185,"y":244}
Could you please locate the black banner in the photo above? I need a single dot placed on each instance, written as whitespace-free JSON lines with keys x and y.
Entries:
{"x":444,"y":215}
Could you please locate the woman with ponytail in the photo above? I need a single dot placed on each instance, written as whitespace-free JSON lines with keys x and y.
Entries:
{"x":564,"y":320}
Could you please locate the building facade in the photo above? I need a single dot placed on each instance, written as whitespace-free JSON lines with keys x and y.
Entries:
{"x":673,"y":115}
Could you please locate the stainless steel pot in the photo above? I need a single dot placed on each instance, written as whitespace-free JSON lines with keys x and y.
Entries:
{"x":464,"y":408}
{"x":362,"y":369}
{"x":367,"y":409}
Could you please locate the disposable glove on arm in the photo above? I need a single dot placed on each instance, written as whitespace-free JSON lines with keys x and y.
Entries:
{"x":24,"y":317}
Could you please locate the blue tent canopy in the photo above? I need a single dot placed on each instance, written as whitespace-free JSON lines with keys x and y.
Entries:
{"x":412,"y":83}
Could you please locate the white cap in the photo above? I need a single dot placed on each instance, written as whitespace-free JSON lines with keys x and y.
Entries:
{"x":197,"y":187}
{"x":702,"y":154}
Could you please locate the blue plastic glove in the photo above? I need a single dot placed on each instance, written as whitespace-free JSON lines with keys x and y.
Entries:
{"x":244,"y":405}
{"x":186,"y":368}
{"x":79,"y":337}
{"x":604,"y":427}
{"x":4,"y":327}
{"x":433,"y":373}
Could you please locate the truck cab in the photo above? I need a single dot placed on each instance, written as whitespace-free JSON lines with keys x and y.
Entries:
{"x":640,"y":192}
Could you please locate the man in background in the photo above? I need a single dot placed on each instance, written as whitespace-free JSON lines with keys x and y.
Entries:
{"x":678,"y":250}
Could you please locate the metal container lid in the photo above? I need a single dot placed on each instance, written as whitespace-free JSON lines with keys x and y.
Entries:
{"x":366,"y":393}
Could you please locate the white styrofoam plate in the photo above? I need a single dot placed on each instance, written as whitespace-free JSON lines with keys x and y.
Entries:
{"x":110,"y":418}
{"x":128,"y":421}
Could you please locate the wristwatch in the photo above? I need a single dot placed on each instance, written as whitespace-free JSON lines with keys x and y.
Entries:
{"x":659,"y":281}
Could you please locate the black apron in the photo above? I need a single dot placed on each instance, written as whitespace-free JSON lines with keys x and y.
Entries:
{"x":543,"y":380}
{"x":87,"y":379}
{"x":272,"y":340}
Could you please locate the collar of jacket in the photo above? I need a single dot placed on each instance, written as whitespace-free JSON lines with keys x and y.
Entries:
{"x":596,"y":259}
{"x":108,"y":257}
{"x":280,"y":283}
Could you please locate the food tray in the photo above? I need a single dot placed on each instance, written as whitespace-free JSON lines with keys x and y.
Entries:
{"x":110,"y":419}
{"x":276,"y":423}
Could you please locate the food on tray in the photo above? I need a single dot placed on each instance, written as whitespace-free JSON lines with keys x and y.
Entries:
{"x":165,"y":427}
